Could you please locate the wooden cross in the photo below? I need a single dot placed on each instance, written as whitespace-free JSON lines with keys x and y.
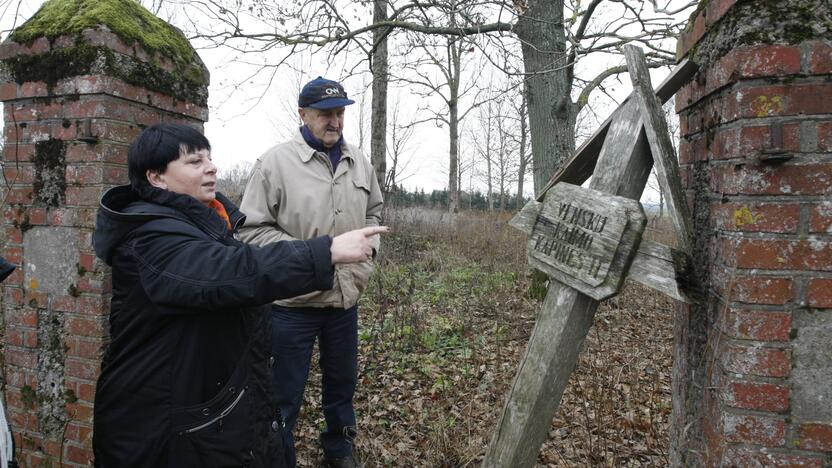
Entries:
{"x":587,"y":241}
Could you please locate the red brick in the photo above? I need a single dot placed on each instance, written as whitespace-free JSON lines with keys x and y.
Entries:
{"x":84,"y":175}
{"x":814,"y":436}
{"x":21,"y":358}
{"x":820,"y":58}
{"x":82,"y":348}
{"x":115,"y":175}
{"x":819,"y":293}
{"x":820,"y":218}
{"x":114,"y":131}
{"x":84,"y":389}
{"x":14,"y":337}
{"x":92,"y":285}
{"x":773,"y":254}
{"x":30,"y":339}
{"x":14,"y":255}
{"x":756,"y":360}
{"x":82,"y":196}
{"x":79,"y":411}
{"x":735,"y":456}
{"x":716,"y":9}
{"x":37,"y":216}
{"x":82,"y":456}
{"x":83,"y":326}
{"x":23,"y":196}
{"x":812,"y":179}
{"x":13,"y":236}
{"x":64,"y":303}
{"x":757,"y":396}
{"x":768,"y":60}
{"x":13,"y":296}
{"x":757,"y":217}
{"x":32,"y":89}
{"x":83,"y":369}
{"x":50,"y":447}
{"x":758,"y":430}
{"x":690,"y":36}
{"x":779,"y":100}
{"x":22,"y":316}
{"x":825,"y":136}
{"x":92,"y":305}
{"x":20,"y":174}
{"x":8,"y":91}
{"x":758,"y":325}
{"x":81,"y":153}
{"x":36,"y":299}
{"x":80,"y":433}
{"x":20,"y":152}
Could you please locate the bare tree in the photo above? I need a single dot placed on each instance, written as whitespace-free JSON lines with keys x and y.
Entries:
{"x":232,"y":182}
{"x":553,"y":36}
{"x":398,"y":149}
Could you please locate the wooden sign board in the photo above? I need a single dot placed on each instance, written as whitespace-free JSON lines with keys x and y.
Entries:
{"x":578,"y":235}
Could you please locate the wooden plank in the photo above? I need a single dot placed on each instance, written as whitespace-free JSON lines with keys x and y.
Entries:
{"x":661,"y":268}
{"x":581,"y":165}
{"x":578,"y":234}
{"x":564,"y":320}
{"x":664,"y":156}
{"x":655,"y":265}
{"x":525,"y":219}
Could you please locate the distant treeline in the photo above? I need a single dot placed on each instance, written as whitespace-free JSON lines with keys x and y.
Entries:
{"x":401,"y":197}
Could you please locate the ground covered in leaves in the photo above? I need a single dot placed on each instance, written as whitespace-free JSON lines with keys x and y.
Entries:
{"x":443,"y":326}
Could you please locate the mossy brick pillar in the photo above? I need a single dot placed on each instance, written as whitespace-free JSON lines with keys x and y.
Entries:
{"x":79,"y":80}
{"x":752,"y":378}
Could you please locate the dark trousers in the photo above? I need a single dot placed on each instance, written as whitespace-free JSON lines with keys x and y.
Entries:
{"x":294,"y":331}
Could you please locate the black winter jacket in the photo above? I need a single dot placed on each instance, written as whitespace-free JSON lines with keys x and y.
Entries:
{"x":186,"y":378}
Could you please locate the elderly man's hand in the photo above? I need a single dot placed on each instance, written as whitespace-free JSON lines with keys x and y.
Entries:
{"x":355,"y":246}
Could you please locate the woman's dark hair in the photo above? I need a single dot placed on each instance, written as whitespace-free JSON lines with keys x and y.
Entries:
{"x":158,"y":145}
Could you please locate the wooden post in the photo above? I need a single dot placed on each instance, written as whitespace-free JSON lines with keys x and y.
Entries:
{"x":622,"y":168}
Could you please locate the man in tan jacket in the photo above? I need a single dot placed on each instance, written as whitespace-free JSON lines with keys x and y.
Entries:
{"x":313,"y":185}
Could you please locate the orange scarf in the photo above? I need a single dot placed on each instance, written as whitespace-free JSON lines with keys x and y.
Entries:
{"x":217,"y":206}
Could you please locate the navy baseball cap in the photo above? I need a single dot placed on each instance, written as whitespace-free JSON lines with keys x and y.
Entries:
{"x":322,"y":93}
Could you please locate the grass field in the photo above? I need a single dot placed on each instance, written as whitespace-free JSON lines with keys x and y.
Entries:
{"x":443,"y":326}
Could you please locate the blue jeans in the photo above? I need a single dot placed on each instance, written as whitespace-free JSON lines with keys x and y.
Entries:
{"x":294,"y":331}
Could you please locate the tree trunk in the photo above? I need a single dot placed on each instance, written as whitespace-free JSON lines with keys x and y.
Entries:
{"x":521,"y":171}
{"x":552,"y":114}
{"x":453,"y":126}
{"x":378,"y":138}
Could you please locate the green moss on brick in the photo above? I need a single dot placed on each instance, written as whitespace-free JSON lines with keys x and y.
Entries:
{"x":126,"y":18}
{"x":129,"y":21}
{"x":84,"y":59}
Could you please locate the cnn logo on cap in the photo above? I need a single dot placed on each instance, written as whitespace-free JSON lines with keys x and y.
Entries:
{"x":331,"y":91}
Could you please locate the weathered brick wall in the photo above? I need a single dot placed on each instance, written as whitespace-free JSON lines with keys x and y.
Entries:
{"x":753,"y":360}
{"x":67,"y":132}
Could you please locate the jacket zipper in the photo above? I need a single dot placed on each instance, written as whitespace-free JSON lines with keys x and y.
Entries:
{"x":223,"y":414}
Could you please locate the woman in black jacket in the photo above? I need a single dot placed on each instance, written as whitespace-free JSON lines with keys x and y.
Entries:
{"x":185,"y":380}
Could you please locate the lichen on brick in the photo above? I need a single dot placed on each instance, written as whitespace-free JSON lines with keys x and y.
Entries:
{"x":50,"y":172}
{"x":51,"y":391}
{"x":762,"y":22}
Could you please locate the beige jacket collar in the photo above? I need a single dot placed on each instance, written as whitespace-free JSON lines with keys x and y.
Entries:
{"x":306,"y":152}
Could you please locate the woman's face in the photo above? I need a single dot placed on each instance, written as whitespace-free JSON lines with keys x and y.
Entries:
{"x":191,"y":174}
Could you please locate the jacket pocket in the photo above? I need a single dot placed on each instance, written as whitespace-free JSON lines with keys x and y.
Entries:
{"x":359,"y":196}
{"x":215,"y":434}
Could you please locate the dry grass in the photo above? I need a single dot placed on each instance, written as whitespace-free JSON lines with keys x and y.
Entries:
{"x":443,"y":326}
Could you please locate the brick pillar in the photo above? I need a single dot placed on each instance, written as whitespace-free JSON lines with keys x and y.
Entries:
{"x":73,"y":103}
{"x":752,"y":378}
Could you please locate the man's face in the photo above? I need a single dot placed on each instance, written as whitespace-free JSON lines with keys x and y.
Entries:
{"x":325,"y":124}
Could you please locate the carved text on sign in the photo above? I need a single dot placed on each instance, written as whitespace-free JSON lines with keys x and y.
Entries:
{"x":578,"y":235}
